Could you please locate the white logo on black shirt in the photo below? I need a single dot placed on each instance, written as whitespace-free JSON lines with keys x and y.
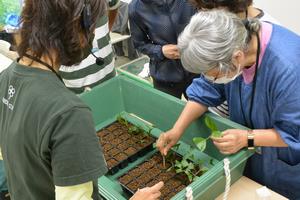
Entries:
{"x":11,"y":92}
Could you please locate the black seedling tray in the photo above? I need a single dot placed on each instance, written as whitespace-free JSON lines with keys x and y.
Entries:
{"x":116,"y":140}
{"x":170,"y":176}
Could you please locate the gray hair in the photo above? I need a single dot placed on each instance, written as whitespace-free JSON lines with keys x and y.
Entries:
{"x":211,"y":38}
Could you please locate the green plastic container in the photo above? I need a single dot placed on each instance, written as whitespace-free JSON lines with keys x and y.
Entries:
{"x":133,"y":68}
{"x":141,"y":105}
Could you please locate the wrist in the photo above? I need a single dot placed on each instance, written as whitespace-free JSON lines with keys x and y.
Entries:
{"x":177,"y":131}
{"x":250,"y":139}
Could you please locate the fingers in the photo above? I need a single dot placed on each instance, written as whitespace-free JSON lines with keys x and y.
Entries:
{"x":160,"y":143}
{"x":164,"y":143}
{"x":149,"y":193}
{"x":225,"y":152}
{"x":167,"y":148}
{"x":225,"y":146}
{"x":155,"y":196}
{"x":157,"y":187}
{"x":155,"y":190}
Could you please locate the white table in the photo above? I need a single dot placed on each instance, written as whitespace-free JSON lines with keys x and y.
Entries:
{"x":245,"y":189}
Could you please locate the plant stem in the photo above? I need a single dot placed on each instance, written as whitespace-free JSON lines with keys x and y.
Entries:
{"x":197,"y":172}
{"x":164,"y":162}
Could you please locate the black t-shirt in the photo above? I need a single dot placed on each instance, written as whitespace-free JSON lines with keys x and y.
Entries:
{"x":47,"y":134}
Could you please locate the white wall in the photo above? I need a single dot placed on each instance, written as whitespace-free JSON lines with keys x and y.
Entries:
{"x":286,"y":12}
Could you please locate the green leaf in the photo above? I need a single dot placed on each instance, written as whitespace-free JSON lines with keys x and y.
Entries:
{"x":178,"y":171}
{"x":190,"y":176}
{"x":191,"y":166}
{"x":204,"y":170}
{"x":200,"y":143}
{"x":184,"y":163}
{"x":177,"y":163}
{"x":216,"y":134}
{"x":210,"y":124}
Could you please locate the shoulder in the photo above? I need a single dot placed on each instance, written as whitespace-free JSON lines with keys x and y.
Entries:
{"x":55,"y":99}
{"x":283,"y":48}
{"x":132,"y":6}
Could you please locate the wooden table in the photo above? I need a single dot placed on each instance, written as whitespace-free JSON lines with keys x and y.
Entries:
{"x":245,"y":189}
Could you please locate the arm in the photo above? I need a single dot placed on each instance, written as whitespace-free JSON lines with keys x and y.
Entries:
{"x":233,"y":140}
{"x":201,"y":95}
{"x":284,"y":121}
{"x":65,"y":144}
{"x":190,"y":113}
{"x":140,"y":38}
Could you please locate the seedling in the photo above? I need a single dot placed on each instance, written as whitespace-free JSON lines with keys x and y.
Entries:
{"x":200,"y":142}
{"x":122,"y":120}
{"x":187,"y":166}
{"x":132,"y":129}
{"x":142,"y":141}
{"x":135,"y":130}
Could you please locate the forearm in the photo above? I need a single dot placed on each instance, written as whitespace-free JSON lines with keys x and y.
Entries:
{"x":190,"y":113}
{"x":149,"y":49}
{"x":267,"y":138}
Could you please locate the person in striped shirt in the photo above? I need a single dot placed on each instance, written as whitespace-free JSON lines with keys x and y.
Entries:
{"x":87,"y":74}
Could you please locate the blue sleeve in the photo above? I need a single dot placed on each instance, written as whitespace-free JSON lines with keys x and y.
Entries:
{"x":140,"y":38}
{"x":286,"y":114}
{"x":206,"y":93}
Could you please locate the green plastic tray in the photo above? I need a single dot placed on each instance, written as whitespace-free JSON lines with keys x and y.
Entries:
{"x":143,"y":105}
{"x":133,"y":68}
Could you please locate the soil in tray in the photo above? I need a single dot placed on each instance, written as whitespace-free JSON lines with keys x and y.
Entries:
{"x":151,"y":172}
{"x":119,"y":145}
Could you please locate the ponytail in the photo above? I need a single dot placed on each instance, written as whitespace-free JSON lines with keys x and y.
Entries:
{"x":252,"y":26}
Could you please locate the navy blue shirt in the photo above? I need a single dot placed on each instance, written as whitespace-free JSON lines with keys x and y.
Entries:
{"x":155,"y":23}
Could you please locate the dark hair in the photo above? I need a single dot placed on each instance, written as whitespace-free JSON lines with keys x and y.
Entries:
{"x":55,"y":26}
{"x":235,"y":6}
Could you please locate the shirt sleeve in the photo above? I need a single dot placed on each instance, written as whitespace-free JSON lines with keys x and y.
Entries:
{"x":79,"y":192}
{"x":74,"y":149}
{"x":206,"y":93}
{"x":286,"y":114}
{"x":140,"y":38}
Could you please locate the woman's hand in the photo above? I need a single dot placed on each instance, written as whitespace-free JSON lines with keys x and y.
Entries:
{"x":148,"y":193}
{"x":171,"y":51}
{"x":232,"y":141}
{"x":167,"y":140}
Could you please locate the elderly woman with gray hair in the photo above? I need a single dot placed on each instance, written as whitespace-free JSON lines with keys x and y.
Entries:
{"x":255,"y":67}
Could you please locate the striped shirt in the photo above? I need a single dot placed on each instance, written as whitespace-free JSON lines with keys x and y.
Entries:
{"x":88,"y":74}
